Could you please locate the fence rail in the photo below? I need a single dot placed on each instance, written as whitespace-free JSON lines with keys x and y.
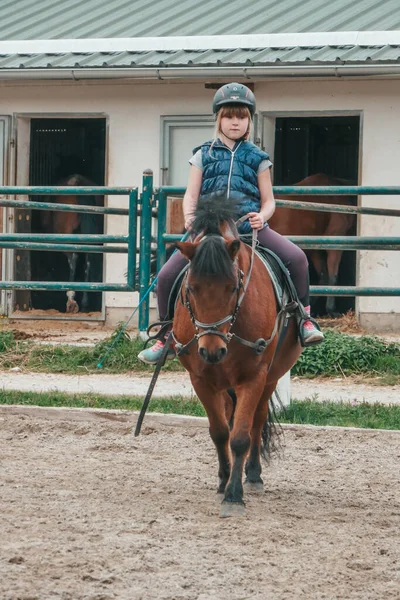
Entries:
{"x":152,"y":204}
{"x":162,"y":193}
{"x":73,"y":242}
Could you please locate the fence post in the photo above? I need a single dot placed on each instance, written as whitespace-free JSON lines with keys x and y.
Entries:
{"x":145,"y":249}
{"x":161,"y":229}
{"x":132,"y":230}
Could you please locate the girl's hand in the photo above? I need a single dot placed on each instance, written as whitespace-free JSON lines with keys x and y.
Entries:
{"x":256,"y":220}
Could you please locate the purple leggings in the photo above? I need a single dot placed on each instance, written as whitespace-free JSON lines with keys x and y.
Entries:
{"x":291,"y":255}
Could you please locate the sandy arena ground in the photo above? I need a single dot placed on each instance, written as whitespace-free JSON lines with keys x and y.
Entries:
{"x":89,"y":512}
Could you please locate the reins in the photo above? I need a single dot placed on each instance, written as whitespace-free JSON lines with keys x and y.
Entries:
{"x":259,"y":345}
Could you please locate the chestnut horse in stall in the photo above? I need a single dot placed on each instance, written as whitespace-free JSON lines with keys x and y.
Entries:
{"x":226,"y":307}
{"x":289,"y":221}
{"x":75,"y":222}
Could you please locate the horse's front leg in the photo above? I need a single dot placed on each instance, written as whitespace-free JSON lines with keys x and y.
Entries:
{"x":318,"y":260}
{"x":85,"y":296}
{"x":248,"y":397}
{"x":334,"y":258}
{"x":215,"y":404}
{"x":253,"y":481}
{"x":72,"y":305}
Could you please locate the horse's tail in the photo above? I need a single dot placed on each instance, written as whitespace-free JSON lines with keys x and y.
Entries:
{"x":272,"y":429}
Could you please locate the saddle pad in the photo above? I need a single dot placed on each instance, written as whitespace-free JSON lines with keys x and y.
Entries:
{"x":276,"y":274}
{"x":280,"y":277}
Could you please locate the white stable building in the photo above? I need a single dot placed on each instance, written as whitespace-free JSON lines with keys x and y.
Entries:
{"x":112,"y":90}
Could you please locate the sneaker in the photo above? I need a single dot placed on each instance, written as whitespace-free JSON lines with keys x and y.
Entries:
{"x":311,"y":334}
{"x":151,"y":355}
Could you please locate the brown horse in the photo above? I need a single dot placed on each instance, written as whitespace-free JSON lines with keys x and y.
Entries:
{"x":75,"y":222}
{"x":227,"y":307}
{"x":289,"y":221}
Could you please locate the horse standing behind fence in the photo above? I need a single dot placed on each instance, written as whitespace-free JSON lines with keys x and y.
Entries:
{"x":227,"y":303}
{"x":81,"y":223}
{"x":289,"y":221}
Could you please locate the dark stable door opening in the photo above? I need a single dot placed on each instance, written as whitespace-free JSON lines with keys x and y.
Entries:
{"x":309,"y":145}
{"x":61,"y":148}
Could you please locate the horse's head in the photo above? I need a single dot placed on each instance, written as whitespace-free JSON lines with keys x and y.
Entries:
{"x":213,"y":281}
{"x":211,"y":292}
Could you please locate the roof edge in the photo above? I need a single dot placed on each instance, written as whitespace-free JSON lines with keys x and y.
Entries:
{"x":164,"y":74}
{"x":214,"y":42}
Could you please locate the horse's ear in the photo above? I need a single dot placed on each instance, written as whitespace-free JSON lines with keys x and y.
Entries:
{"x":188,"y":249}
{"x":233,"y":248}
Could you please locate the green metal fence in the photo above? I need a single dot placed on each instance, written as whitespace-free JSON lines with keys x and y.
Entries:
{"x":73,"y":242}
{"x":152,"y":204}
{"x":162,"y":194}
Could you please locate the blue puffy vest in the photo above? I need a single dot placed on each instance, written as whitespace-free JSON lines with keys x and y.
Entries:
{"x":233,"y":172}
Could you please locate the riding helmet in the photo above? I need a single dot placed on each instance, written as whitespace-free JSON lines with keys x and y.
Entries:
{"x":234,"y":94}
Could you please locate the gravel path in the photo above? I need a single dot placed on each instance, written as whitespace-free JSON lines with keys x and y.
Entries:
{"x":179,"y":384}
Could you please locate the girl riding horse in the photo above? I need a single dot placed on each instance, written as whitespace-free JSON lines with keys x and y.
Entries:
{"x":234,"y":167}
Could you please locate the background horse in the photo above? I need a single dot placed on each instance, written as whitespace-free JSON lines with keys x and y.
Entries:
{"x":74,"y":222}
{"x":225,"y":295}
{"x":289,"y":221}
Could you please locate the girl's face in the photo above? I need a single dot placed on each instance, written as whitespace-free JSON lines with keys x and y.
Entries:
{"x":234,"y":127}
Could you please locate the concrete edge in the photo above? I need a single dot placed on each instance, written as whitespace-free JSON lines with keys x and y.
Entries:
{"x":130,"y":417}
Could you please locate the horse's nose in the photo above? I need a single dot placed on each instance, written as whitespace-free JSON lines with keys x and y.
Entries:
{"x":220,"y":354}
{"x":215,"y":357}
{"x":204,"y":354}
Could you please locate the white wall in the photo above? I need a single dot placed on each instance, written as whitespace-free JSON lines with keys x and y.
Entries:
{"x":134,"y":111}
{"x":378,"y":104}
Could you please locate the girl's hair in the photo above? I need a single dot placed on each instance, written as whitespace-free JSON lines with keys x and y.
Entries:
{"x":232,"y":111}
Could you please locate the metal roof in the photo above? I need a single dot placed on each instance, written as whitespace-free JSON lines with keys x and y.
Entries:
{"x":80,"y":19}
{"x":326,"y":55}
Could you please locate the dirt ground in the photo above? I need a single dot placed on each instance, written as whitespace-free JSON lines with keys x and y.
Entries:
{"x":89,"y":512}
{"x":67,"y":331}
{"x":71,"y":330}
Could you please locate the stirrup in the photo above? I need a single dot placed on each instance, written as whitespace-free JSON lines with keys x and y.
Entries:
{"x":300,"y":324}
{"x":161,"y":334}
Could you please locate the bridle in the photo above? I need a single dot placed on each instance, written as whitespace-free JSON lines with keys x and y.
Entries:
{"x":213,"y":328}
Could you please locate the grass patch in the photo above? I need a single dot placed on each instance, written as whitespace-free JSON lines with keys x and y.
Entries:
{"x":340,"y":354}
{"x":363,"y":415}
{"x":170,"y":405}
{"x":75,"y":359}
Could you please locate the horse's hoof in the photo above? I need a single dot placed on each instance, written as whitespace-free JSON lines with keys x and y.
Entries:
{"x":72,"y":307}
{"x":333,"y":314}
{"x":231,"y":509}
{"x":255,"y":487}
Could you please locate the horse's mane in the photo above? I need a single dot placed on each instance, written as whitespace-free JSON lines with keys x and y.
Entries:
{"x":212,"y":258}
{"x":211,"y":212}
